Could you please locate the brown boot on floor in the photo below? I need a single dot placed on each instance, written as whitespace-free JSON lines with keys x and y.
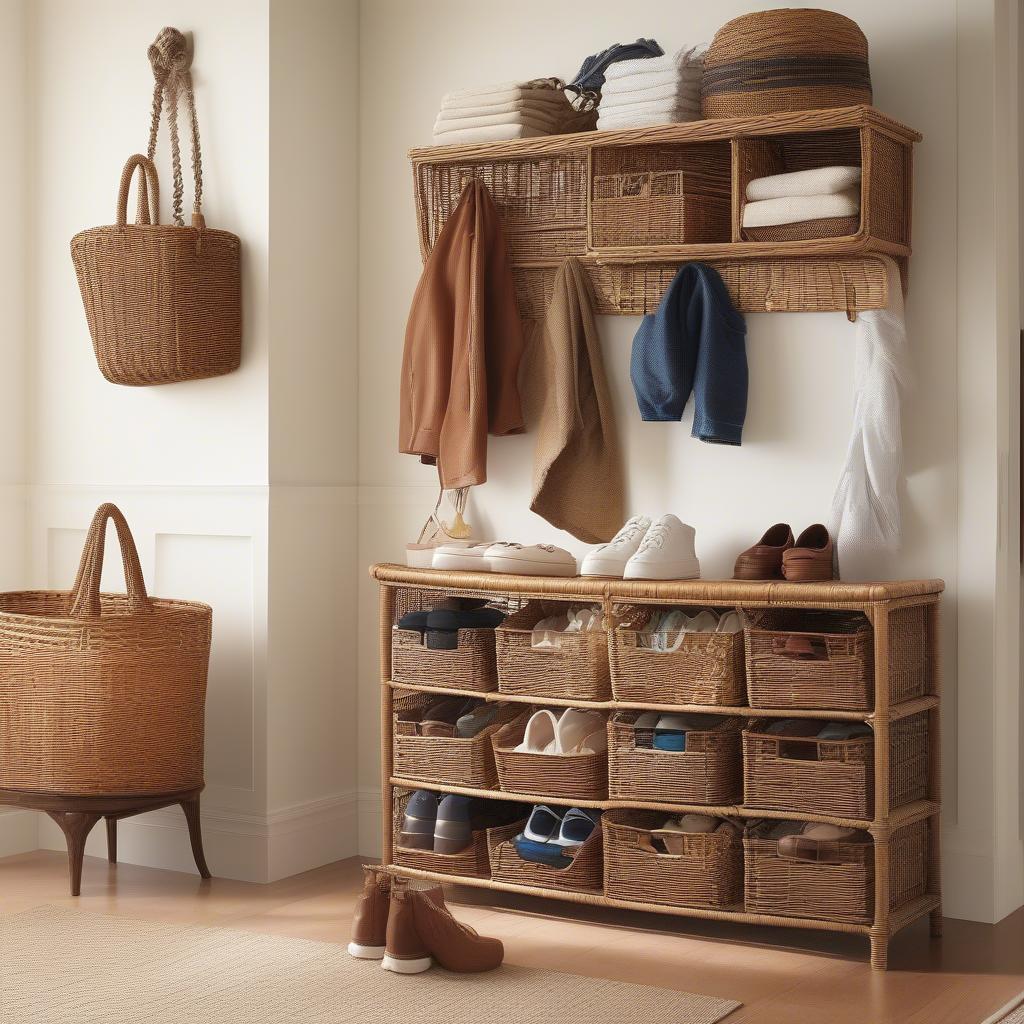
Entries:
{"x":421,"y":929}
{"x":811,"y":560}
{"x":370,"y":920}
{"x":764,"y":560}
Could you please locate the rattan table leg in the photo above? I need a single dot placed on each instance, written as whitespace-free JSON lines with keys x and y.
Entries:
{"x":387,"y":605}
{"x":879,"y":951}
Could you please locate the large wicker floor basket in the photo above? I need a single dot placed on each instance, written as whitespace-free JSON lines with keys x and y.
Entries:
{"x":100,"y":693}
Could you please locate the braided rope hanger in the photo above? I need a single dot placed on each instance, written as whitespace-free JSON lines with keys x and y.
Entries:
{"x":172,"y":75}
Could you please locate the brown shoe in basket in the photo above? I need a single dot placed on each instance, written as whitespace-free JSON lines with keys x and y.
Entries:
{"x":813,"y":557}
{"x":764,"y":560}
{"x":421,"y":929}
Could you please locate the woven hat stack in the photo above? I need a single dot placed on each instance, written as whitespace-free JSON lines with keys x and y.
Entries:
{"x":771,"y":62}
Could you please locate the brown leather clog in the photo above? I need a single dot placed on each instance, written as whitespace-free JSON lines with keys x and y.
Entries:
{"x":763,"y":561}
{"x":811,"y":559}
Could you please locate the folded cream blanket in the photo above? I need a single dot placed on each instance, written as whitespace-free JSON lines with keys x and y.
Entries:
{"x":527,"y":106}
{"x":688,"y":58}
{"x":547,"y":122}
{"x":659,"y":106}
{"x":793,"y":209}
{"x":504,"y":92}
{"x":816,"y":182}
{"x":674,"y":90}
{"x":488,"y":133}
{"x":641,"y":119}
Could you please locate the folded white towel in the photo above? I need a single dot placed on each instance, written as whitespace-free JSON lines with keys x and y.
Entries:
{"x":488,"y":133}
{"x":817,"y":182}
{"x":543,"y":121}
{"x":642,"y":119}
{"x":691,"y":57}
{"x":794,"y":209}
{"x":673,"y":90}
{"x":659,"y":106}
{"x":504,"y":92}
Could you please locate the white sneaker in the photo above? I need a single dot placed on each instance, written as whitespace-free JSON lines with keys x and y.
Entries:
{"x":666,"y":553}
{"x":530,"y":560}
{"x":462,"y":557}
{"x":610,"y":559}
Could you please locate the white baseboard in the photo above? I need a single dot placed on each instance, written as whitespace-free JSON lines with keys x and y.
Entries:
{"x":246,"y":847}
{"x":19,"y":831}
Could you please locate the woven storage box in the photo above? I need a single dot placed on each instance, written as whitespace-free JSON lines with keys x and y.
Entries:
{"x":788,"y":59}
{"x":707,"y":772}
{"x":469,"y":667}
{"x":809,"y":660}
{"x":569,"y":776}
{"x":473,"y":862}
{"x":708,"y":873}
{"x":583,"y":875}
{"x":835,"y":777}
{"x":706,"y":669}
{"x":840,"y":891}
{"x":575,"y":670}
{"x":102,"y":694}
{"x":458,"y":762}
{"x":823,"y":227}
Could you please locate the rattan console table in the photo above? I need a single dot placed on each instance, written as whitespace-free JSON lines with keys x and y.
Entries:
{"x":878,"y":602}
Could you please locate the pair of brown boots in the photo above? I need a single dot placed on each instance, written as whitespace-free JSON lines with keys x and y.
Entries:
{"x":407,"y":929}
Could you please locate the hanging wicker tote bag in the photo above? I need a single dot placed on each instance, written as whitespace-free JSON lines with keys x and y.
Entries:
{"x":163,"y":301}
{"x":102,"y":694}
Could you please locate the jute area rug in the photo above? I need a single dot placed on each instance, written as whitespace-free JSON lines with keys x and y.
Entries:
{"x":61,"y":966}
{"x":1011,"y":1013}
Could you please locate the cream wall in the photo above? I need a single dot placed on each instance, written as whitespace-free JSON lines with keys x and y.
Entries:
{"x":800,"y":365}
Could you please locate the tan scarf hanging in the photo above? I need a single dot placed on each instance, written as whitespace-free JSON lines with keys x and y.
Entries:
{"x":577,"y":465}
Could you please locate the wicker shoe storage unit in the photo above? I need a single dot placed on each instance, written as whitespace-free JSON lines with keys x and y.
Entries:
{"x":568,"y":776}
{"x":843,"y":889}
{"x":584,"y":875}
{"x":461,"y":762}
{"x":707,"y":872}
{"x":707,"y":668}
{"x":473,"y":862}
{"x":707,"y":772}
{"x":576,"y":668}
{"x":880,"y":668}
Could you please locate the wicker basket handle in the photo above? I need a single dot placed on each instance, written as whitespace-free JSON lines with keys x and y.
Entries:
{"x":149,"y":191}
{"x":84,"y":599}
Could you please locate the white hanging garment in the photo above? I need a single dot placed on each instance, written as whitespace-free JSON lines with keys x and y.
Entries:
{"x":865,"y":513}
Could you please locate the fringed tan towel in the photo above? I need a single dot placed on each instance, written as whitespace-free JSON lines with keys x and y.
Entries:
{"x":577,"y":467}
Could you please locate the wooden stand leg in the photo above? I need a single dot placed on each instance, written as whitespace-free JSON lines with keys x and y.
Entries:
{"x":112,"y":840}
{"x":879,"y":952}
{"x":195,"y":834}
{"x":76,"y":826}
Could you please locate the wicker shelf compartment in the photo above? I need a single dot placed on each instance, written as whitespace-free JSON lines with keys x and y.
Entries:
{"x":585,"y":874}
{"x":881,"y":668}
{"x":473,"y":862}
{"x":459,"y":762}
{"x":843,"y":890}
{"x":569,"y":776}
{"x":708,"y":772}
{"x":576,"y":668}
{"x":633,"y":203}
{"x":708,"y":872}
{"x":707,"y":668}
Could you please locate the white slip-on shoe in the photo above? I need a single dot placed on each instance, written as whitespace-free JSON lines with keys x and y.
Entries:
{"x":667,"y":553}
{"x":540,"y":735}
{"x":730,"y":623}
{"x":462,"y":557}
{"x":581,"y":732}
{"x":530,"y":559}
{"x":705,"y":621}
{"x":610,"y":559}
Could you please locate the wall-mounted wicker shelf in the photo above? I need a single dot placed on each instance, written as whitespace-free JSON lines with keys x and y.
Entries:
{"x":633,"y":205}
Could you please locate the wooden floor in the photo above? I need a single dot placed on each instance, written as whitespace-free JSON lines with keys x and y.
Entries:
{"x":781,"y":976}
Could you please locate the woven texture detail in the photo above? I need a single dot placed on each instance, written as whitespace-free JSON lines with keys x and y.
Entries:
{"x":585,"y":874}
{"x":470,"y":666}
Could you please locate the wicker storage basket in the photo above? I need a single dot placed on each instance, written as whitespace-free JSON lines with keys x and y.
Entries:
{"x":102,"y":694}
{"x":569,"y":776}
{"x":823,"y":227}
{"x":453,"y":760}
{"x":470,"y":666}
{"x":788,"y":59}
{"x":583,"y":875}
{"x":575,"y":670}
{"x":707,"y":772}
{"x":708,"y":873}
{"x":809,"y":660}
{"x":473,"y":862}
{"x":163,"y":302}
{"x":706,"y":669}
{"x":843,"y":890}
